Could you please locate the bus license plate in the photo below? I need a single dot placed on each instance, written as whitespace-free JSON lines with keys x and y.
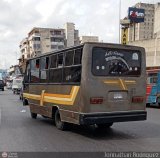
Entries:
{"x":118,"y":96}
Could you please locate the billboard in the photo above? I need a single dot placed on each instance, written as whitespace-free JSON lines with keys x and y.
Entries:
{"x":136,"y":15}
{"x":124,"y":36}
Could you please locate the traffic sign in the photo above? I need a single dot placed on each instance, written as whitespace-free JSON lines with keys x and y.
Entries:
{"x":124,"y":36}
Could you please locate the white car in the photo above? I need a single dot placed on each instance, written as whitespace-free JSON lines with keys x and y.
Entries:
{"x":17,"y":85}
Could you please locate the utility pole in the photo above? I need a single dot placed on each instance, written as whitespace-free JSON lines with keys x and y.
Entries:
{"x":119,"y":21}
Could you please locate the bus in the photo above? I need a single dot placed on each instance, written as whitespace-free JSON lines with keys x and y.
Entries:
{"x":90,"y":84}
{"x":153,"y":86}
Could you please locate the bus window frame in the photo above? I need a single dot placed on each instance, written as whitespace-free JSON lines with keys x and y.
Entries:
{"x":47,"y":70}
{"x":27,"y":73}
{"x":117,"y":75}
{"x":49,"y":67}
{"x":38,"y":69}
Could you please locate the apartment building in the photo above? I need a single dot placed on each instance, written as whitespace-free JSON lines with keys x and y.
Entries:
{"x":144,"y":30}
{"x":148,"y":33}
{"x":72,"y":35}
{"x":42,"y":40}
{"x":157,"y":20}
{"x":24,"y":48}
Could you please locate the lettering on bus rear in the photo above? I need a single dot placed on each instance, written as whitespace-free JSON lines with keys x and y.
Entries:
{"x":115,"y":62}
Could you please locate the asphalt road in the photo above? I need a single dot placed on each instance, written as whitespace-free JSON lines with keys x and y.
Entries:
{"x":18,"y":132}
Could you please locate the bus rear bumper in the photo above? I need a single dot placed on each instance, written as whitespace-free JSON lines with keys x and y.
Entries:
{"x":102,"y":118}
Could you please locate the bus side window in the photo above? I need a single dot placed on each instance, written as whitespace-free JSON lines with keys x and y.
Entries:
{"x":69,"y":58}
{"x":44,"y":74}
{"x":56,"y":68}
{"x":27,"y":73}
{"x":53,"y":60}
{"x":60,"y":61}
{"x":72,"y":72}
{"x":78,"y":56}
{"x":35,"y":64}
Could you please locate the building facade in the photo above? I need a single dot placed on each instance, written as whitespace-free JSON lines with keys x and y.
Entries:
{"x":144,"y":30}
{"x":43,"y":40}
{"x":148,"y":33}
{"x":152,"y":48}
{"x":24,"y":48}
{"x":157,"y":21}
{"x":84,"y":39}
{"x":72,"y":35}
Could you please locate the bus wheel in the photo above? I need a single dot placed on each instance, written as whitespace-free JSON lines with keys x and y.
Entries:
{"x":106,"y":125}
{"x":59,"y":124}
{"x":33,"y":115}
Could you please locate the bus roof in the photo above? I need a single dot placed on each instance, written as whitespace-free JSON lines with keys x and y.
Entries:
{"x":81,"y":45}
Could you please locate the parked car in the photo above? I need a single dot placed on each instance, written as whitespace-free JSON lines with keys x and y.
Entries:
{"x":2,"y":85}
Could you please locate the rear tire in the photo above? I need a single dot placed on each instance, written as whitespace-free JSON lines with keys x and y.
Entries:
{"x":59,"y":124}
{"x":106,"y":125}
{"x":25,"y":102}
{"x":2,"y":89}
{"x":33,"y":115}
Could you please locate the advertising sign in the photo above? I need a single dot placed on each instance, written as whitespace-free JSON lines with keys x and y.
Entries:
{"x":136,"y":15}
{"x":124,"y":36}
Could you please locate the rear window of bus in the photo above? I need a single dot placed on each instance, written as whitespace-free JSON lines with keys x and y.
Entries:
{"x":115,"y":62}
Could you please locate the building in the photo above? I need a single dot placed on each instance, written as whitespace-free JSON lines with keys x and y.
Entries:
{"x":148,"y":33}
{"x":43,"y":40}
{"x":24,"y":48}
{"x":157,"y":21}
{"x":14,"y":70}
{"x":144,"y":30}
{"x":152,"y":48}
{"x":84,"y":39}
{"x":72,"y":35}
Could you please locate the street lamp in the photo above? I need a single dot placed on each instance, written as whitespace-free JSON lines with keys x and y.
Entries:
{"x":119,"y":21}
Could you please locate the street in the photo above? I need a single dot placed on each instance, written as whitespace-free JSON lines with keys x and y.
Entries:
{"x":20,"y":133}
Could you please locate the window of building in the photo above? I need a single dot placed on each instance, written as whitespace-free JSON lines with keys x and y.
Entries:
{"x":54,"y":46}
{"x":36,"y":38}
{"x":36,"y":46}
{"x":60,"y":47}
{"x":55,"y":39}
{"x":57,"y":32}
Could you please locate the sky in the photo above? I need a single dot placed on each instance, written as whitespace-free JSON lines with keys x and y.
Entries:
{"x":91,"y":17}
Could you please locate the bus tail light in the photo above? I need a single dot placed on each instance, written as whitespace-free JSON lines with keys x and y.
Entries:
{"x":96,"y":100}
{"x":137,"y":99}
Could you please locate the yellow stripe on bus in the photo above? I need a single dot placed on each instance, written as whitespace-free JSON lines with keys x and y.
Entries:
{"x":62,"y":99}
{"x":32,"y":96}
{"x":122,"y":83}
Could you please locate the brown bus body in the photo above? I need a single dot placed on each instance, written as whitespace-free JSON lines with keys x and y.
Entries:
{"x":95,"y":99}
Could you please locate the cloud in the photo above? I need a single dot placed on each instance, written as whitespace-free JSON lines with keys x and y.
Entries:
{"x":91,"y":17}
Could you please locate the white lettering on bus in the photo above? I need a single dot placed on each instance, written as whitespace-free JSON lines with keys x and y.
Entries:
{"x":111,"y":53}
